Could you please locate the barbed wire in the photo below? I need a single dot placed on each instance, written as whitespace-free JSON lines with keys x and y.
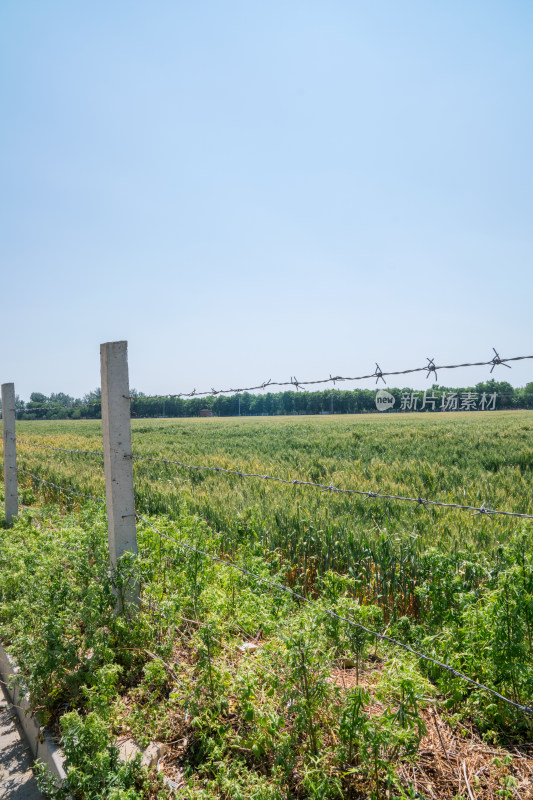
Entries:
{"x":60,"y":488}
{"x":59,"y":449}
{"x":484,"y":509}
{"x":382,"y":636}
{"x":368,"y":494}
{"x":379,"y":374}
{"x":430,"y":369}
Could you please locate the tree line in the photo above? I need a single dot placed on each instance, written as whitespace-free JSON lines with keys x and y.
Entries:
{"x":328,"y":401}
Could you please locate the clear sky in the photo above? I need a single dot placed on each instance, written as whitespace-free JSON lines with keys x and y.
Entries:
{"x":252,"y":190}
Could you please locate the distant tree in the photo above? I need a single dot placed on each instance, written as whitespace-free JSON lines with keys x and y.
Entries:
{"x":62,"y":399}
{"x":93,"y":397}
{"x":287,"y":402}
{"x":19,"y":404}
{"x":526,"y":395}
{"x":37,"y":397}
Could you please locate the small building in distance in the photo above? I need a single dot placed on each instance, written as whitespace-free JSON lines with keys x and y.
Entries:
{"x":205,"y":412}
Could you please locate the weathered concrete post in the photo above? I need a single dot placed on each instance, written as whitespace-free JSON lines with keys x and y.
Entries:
{"x":10,"y":451}
{"x":118,"y":465}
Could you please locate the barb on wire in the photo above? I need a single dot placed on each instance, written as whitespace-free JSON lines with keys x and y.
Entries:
{"x":368,"y":494}
{"x":431,"y":368}
{"x":60,"y":488}
{"x":59,"y":449}
{"x":496,"y":361}
{"x":379,"y":374}
{"x":483,"y":509}
{"x":382,"y":636}
{"x":296,"y":383}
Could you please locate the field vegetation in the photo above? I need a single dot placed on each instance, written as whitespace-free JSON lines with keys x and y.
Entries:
{"x":256,"y":693}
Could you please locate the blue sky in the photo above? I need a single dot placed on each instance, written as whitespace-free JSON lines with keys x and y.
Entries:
{"x":247,"y":191}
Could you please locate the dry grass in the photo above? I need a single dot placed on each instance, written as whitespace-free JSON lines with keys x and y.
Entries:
{"x":452,"y":762}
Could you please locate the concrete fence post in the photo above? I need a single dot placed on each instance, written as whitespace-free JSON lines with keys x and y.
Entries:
{"x":118,"y":465}
{"x":10,"y":451}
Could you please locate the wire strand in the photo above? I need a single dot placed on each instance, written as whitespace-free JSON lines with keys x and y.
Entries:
{"x":369,"y":495}
{"x":378,"y":374}
{"x":60,"y":488}
{"x":59,"y":449}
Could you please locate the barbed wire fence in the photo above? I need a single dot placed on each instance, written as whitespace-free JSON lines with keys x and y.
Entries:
{"x":118,"y":463}
{"x":429,"y":369}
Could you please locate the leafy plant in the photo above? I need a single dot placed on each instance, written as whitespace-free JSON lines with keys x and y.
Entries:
{"x":94,"y":770}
